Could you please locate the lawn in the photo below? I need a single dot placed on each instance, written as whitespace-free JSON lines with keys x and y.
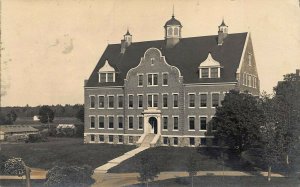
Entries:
{"x":60,"y":151}
{"x":213,"y":181}
{"x":175,"y":159}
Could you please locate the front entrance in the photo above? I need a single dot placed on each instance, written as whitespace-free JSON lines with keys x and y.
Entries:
{"x":153,"y":123}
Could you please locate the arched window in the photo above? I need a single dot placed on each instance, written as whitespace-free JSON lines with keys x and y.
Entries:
{"x":176,"y":31}
{"x":170,"y":31}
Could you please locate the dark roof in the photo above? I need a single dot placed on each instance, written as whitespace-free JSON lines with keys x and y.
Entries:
{"x":186,"y":55}
{"x":173,"y":21}
{"x":17,"y":128}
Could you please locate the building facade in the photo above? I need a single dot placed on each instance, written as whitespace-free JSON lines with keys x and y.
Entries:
{"x":165,"y":92}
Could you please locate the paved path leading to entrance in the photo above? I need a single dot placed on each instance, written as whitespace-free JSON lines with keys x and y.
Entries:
{"x":112,"y":163}
{"x":125,"y":179}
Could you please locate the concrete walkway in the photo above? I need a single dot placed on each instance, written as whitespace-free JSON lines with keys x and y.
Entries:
{"x":112,"y":163}
{"x":125,"y":179}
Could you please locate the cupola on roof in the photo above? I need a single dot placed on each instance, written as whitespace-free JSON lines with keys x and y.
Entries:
{"x":173,"y":21}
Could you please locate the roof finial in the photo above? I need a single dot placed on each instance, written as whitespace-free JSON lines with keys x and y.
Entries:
{"x":173,"y":12}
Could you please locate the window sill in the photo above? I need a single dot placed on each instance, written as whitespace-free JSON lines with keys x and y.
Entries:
{"x":151,"y":85}
{"x":120,"y":129}
{"x":92,"y":108}
{"x":191,"y":107}
{"x":92,"y":128}
{"x":192,"y":130}
{"x":175,"y":130}
{"x":203,"y":130}
{"x":101,"y":128}
{"x":203,"y":107}
{"x":120,"y":108}
{"x":165,"y":85}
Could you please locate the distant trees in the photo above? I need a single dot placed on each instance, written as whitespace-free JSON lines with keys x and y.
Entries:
{"x":80,"y":114}
{"x":147,"y":169}
{"x":46,"y":114}
{"x":69,"y":176}
{"x":238,"y":121}
{"x":8,"y":118}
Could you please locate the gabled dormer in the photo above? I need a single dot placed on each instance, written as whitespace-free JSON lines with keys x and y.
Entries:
{"x":209,"y":68}
{"x":107,"y":73}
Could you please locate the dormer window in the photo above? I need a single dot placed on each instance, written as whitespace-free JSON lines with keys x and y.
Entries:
{"x":107,"y":73}
{"x":209,"y":68}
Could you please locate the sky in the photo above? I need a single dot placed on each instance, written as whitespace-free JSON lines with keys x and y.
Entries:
{"x":49,"y":47}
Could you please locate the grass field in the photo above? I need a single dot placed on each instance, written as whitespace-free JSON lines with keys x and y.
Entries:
{"x":213,"y":181}
{"x":60,"y":151}
{"x":175,"y":158}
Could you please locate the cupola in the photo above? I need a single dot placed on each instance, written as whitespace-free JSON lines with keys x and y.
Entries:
{"x":126,"y":41}
{"x":222,"y":33}
{"x":172,"y":31}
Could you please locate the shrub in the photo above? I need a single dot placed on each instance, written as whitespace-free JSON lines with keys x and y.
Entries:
{"x":65,"y":176}
{"x":14,"y":166}
{"x":3,"y":158}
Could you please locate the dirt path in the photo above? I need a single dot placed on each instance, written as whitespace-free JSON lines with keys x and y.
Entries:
{"x":124,"y":179}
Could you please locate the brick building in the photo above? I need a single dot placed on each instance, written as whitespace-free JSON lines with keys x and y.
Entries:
{"x":165,"y":92}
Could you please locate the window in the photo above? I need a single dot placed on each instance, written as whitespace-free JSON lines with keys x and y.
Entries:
{"x":120,"y":139}
{"x":102,"y":77}
{"x":203,"y":100}
{"x":203,"y":141}
{"x":130,"y":101}
{"x":215,"y":99}
{"x":140,"y":80}
{"x":130,"y":122}
{"x":192,"y":100}
{"x":250,"y":59}
{"x":165,"y":140}
{"x":101,"y":122}
{"x":176,"y":31}
{"x":165,"y":123}
{"x":254,"y":84}
{"x":110,"y":77}
{"x":92,"y":122}
{"x":175,"y":123}
{"x":110,"y":101}
{"x":165,"y":79}
{"x":170,"y":31}
{"x":141,"y":122}
{"x":192,"y":141}
{"x":101,"y":138}
{"x":204,"y":72}
{"x":120,"y":122}
{"x":101,"y":101}
{"x":92,"y":101}
{"x":165,"y":100}
{"x":152,"y":79}
{"x":110,"y":138}
{"x":244,"y":79}
{"x":140,"y":101}
{"x":191,"y":123}
{"x":152,"y":100}
{"x":120,"y":101}
{"x":203,"y":123}
{"x":175,"y":141}
{"x":130,"y":139}
{"x":175,"y":100}
{"x":92,"y":138}
{"x":110,"y":122}
{"x":250,"y":80}
{"x":214,"y":72}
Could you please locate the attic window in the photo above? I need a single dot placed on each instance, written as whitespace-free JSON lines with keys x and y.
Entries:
{"x":249,"y":59}
{"x":209,"y":68}
{"x":107,"y":73}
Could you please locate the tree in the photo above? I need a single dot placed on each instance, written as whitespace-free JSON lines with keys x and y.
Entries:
{"x":46,"y":114}
{"x":238,"y":120}
{"x":147,"y":169}
{"x":80,"y":114}
{"x":287,"y":95}
{"x":69,"y":176}
{"x":192,"y":167}
{"x":12,"y":116}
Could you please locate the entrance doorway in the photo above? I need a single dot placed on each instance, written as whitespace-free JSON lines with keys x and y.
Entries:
{"x":153,"y":123}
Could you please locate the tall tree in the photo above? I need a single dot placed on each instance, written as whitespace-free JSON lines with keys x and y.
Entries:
{"x":238,"y":120}
{"x":46,"y":114}
{"x":287,"y":96}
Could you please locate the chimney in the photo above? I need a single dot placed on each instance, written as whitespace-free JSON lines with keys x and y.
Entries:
{"x":222,"y":33}
{"x":126,"y":41}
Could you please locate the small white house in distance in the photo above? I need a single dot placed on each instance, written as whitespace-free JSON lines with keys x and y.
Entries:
{"x":36,"y":118}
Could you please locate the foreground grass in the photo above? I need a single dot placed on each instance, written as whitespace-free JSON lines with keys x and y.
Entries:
{"x":60,"y":151}
{"x":213,"y":181}
{"x":175,"y":158}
